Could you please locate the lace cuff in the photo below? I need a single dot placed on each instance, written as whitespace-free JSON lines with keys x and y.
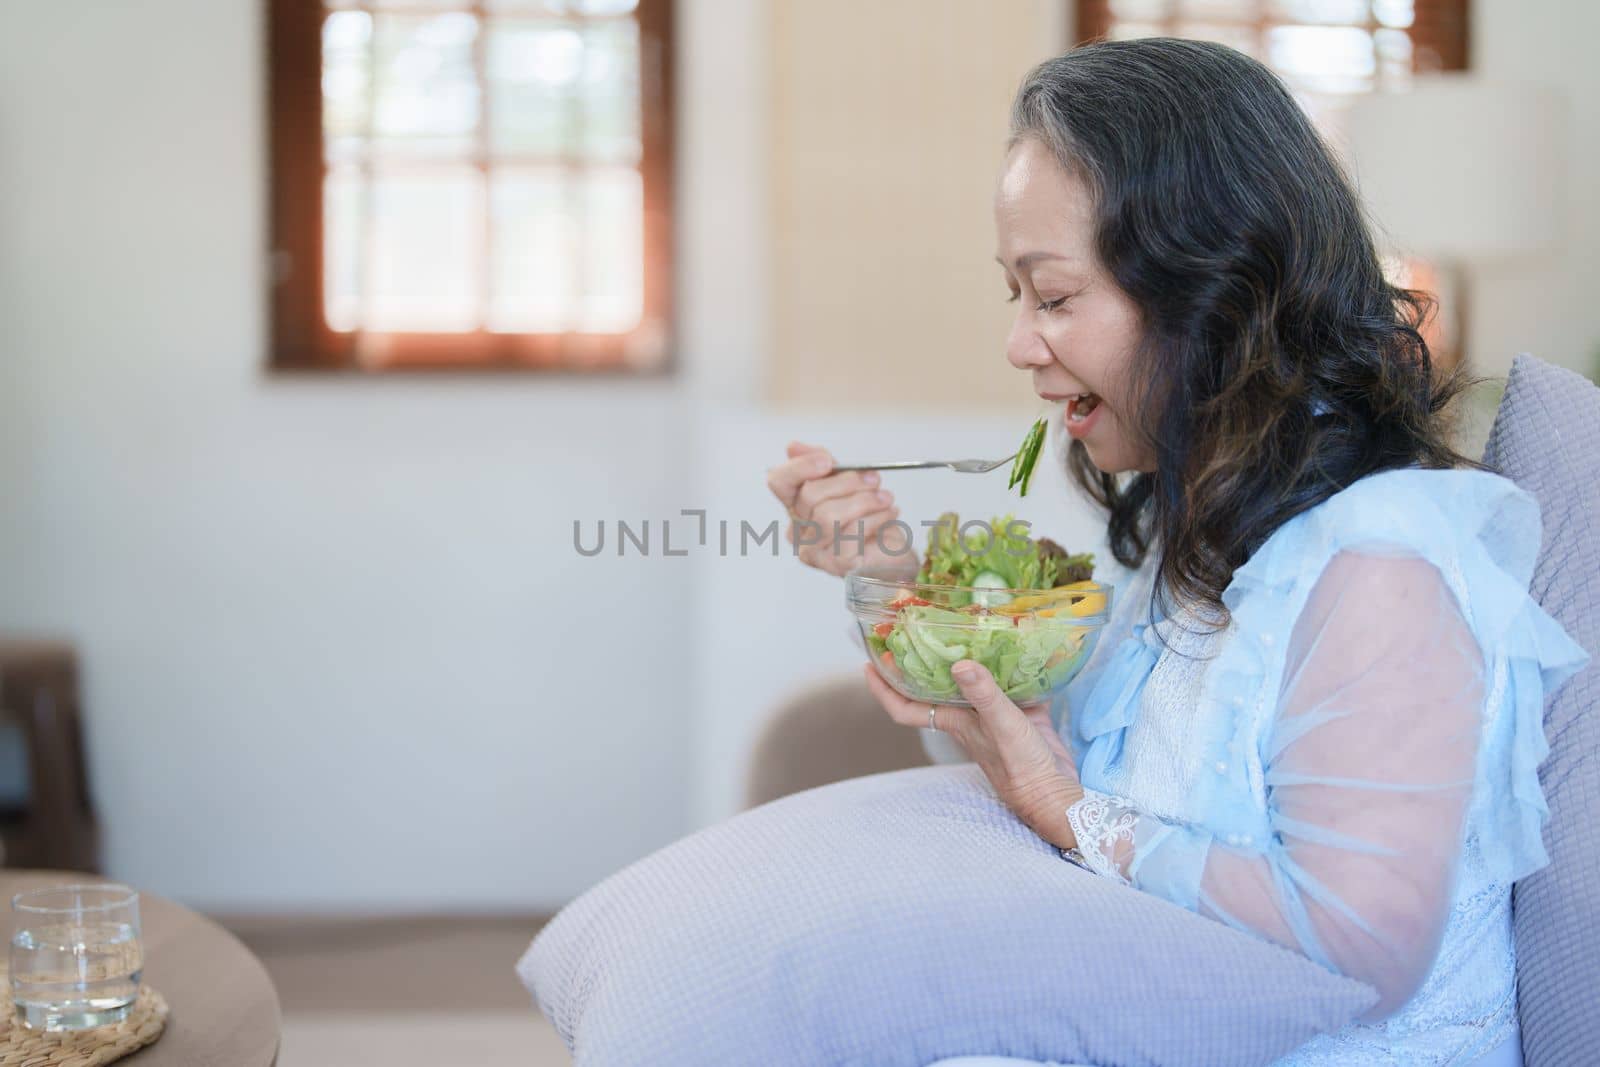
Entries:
{"x":1101,"y":823}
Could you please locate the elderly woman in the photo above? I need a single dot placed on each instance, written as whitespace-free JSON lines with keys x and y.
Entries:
{"x":1316,"y":715}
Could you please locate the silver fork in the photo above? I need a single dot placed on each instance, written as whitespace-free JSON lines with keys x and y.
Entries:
{"x":962,"y":466}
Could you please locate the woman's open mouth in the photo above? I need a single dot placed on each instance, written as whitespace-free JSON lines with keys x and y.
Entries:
{"x":1081,"y":410}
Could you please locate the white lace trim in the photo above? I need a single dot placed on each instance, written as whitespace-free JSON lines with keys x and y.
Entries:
{"x":1099,"y":822}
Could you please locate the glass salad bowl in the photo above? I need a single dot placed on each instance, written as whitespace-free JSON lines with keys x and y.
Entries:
{"x":1034,"y":641}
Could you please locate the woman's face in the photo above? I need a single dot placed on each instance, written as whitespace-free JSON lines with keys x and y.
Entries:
{"x":1075,"y":331}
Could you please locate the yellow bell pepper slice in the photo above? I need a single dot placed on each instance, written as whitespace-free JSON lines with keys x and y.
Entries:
{"x":1047,"y":603}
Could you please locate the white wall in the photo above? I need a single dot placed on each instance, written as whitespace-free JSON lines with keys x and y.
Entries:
{"x":338,"y":650}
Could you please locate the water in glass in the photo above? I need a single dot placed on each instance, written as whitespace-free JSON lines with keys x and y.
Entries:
{"x":76,"y":958}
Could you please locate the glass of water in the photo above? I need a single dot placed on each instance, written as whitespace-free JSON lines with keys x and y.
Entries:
{"x":76,"y":957}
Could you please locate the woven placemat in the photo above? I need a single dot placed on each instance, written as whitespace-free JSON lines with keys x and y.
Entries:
{"x":22,"y":1047}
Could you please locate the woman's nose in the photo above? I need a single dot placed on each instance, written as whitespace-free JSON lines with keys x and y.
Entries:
{"x":1025,"y":349}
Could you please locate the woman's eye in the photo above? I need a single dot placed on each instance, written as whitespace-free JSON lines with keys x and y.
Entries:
{"x":1051,"y":305}
{"x":1013,"y":298}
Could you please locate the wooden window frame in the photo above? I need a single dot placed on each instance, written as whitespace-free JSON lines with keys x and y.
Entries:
{"x":301,"y":339}
{"x":1439,"y":30}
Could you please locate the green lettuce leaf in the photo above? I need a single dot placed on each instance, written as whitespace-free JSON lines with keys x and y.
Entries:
{"x":1027,"y":660}
{"x":1003,"y":548}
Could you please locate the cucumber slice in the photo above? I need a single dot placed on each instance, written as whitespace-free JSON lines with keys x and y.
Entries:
{"x":1027,"y":456}
{"x":988,"y":589}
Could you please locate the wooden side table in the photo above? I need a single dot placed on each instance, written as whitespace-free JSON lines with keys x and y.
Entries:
{"x":39,"y":693}
{"x":224,"y":1006}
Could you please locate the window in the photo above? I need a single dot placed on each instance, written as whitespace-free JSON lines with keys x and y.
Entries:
{"x":462,"y":184}
{"x":1326,"y":51}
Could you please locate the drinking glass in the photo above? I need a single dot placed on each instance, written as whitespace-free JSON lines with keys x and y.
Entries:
{"x":76,"y":957}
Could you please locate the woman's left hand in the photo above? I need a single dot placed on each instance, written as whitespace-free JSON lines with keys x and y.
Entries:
{"x":1019,"y":751}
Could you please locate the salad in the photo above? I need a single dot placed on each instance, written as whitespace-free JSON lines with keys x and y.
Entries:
{"x":1012,"y":604}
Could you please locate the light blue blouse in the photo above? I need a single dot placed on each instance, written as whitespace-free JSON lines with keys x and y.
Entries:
{"x":1260,"y":773}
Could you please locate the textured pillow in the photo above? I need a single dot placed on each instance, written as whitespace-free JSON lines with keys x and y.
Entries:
{"x":1546,"y":438}
{"x":899,"y":919}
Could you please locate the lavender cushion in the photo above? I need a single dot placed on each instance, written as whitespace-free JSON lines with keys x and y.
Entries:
{"x":899,"y":919}
{"x":1546,"y":438}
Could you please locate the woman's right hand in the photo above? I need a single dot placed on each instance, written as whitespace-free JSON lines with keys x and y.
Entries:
{"x":820,"y":502}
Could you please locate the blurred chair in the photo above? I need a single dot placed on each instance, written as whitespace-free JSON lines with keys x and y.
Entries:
{"x":828,"y":732}
{"x":1546,"y":438}
{"x":45,"y":815}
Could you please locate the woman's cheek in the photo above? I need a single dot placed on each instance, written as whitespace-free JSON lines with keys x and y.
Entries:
{"x":1112,"y":453}
{"x":1132,"y":453}
{"x":1058,"y":335}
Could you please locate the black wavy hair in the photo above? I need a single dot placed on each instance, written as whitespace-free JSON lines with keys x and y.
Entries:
{"x":1277,"y":364}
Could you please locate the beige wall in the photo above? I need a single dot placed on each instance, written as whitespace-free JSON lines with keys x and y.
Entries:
{"x":888,"y":123}
{"x":1546,"y":306}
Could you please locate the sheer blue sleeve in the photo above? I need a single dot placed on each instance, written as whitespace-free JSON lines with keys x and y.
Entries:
{"x":1369,"y":770}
